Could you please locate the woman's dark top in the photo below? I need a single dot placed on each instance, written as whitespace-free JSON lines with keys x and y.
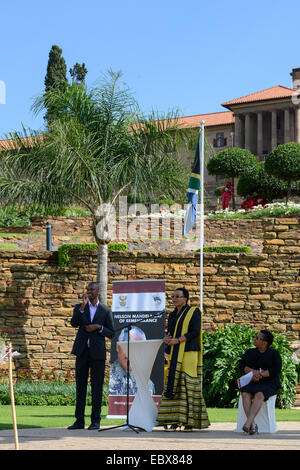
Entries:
{"x":269,"y":360}
{"x":193,"y":329}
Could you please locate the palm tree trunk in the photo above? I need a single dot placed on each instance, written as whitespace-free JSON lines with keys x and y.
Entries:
{"x":102,"y":271}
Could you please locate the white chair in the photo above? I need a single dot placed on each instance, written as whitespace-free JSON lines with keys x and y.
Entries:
{"x":265,"y":419}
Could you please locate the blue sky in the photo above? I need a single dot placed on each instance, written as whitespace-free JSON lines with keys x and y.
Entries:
{"x":191,"y":55}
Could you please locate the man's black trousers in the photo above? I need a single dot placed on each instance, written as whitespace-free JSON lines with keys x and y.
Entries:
{"x":84,"y":363}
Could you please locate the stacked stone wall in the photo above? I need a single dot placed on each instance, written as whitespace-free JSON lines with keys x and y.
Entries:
{"x":140,"y":236}
{"x":258,"y":289}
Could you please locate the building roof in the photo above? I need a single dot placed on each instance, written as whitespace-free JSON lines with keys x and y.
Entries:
{"x":272,"y":93}
{"x":9,"y":144}
{"x":211,"y":119}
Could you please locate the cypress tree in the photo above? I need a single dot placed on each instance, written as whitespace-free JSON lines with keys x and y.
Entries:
{"x":55,"y":77}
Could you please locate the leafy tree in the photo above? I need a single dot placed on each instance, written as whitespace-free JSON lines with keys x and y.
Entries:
{"x":95,"y":150}
{"x":231,"y":163}
{"x":284,"y":162}
{"x":55,"y":78}
{"x":78,"y":72}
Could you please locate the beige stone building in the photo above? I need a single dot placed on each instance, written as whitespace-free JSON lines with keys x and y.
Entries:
{"x":258,"y":122}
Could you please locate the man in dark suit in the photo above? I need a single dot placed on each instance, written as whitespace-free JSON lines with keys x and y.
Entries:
{"x":95,"y":323}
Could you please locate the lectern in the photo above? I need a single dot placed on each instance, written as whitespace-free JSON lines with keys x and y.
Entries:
{"x":143,"y":411}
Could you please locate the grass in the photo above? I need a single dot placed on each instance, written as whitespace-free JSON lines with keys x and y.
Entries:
{"x":63,"y":416}
{"x":8,"y":246}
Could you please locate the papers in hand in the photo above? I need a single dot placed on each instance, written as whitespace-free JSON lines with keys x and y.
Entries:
{"x":245,"y":379}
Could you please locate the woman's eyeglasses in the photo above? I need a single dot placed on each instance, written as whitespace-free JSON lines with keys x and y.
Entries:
{"x":177,"y":296}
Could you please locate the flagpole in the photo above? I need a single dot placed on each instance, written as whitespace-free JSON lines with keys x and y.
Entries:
{"x":201,"y":212}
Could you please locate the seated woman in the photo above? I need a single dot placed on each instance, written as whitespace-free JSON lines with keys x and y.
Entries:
{"x":182,"y":402}
{"x":266,"y":364}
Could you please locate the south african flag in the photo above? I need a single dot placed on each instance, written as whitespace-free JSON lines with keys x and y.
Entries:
{"x":192,"y":193}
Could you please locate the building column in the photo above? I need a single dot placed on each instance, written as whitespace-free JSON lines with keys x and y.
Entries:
{"x":247,"y":131}
{"x":297,"y":125}
{"x":292,"y":124}
{"x":274,"y":130}
{"x":287,"y":137}
{"x":237,"y":131}
{"x":259,"y":133}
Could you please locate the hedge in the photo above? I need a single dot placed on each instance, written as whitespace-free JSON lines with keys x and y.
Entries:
{"x":226,"y":249}
{"x":63,"y":250}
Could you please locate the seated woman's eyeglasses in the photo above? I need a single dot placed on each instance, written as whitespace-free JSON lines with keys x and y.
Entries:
{"x":177,"y":296}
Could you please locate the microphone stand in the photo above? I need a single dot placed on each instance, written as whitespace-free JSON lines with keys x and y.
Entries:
{"x":133,"y":428}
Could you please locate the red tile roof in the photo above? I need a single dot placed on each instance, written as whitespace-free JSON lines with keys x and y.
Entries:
{"x":272,"y":93}
{"x":211,"y":119}
{"x":8,"y":144}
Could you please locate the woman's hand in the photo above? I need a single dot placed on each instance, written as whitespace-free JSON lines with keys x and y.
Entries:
{"x":256,"y":375}
{"x":170,"y":341}
{"x":173,"y":341}
{"x":167,"y":339}
{"x":265,"y":373}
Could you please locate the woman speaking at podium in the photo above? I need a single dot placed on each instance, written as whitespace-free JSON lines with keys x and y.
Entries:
{"x":182,"y":402}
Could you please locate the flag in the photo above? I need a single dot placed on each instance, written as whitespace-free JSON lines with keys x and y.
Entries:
{"x":192,"y":193}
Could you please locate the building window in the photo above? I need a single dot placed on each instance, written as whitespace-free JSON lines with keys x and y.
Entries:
{"x":220,"y":141}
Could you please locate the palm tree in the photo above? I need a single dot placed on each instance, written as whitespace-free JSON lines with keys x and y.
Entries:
{"x":97,"y":148}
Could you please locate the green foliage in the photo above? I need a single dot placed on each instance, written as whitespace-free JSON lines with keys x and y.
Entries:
{"x":116,"y":246}
{"x":218,"y":191}
{"x":11,"y":216}
{"x":19,"y":216}
{"x":63,"y":250}
{"x":78,"y":72}
{"x":268,"y":186}
{"x":46,"y":394}
{"x":55,"y":77}
{"x":226,"y":249}
{"x":222,"y":352}
{"x":284,"y":161}
{"x":288,"y":376}
{"x":233,"y":162}
{"x":8,"y":246}
{"x":56,"y":69}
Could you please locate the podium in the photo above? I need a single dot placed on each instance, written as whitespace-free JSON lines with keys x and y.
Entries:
{"x":143,"y":411}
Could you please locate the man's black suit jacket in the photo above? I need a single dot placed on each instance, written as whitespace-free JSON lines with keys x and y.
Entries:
{"x":103,"y":317}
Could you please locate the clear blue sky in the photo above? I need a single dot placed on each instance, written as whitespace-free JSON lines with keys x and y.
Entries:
{"x":192,"y":54}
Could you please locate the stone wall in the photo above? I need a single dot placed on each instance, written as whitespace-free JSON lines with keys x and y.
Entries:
{"x":167,"y":239}
{"x":258,"y":289}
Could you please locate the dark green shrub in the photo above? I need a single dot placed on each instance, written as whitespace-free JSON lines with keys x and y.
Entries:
{"x":268,"y":186}
{"x":218,"y":191}
{"x":63,"y":250}
{"x":222,"y":352}
{"x":233,"y":162}
{"x":284,"y":162}
{"x":226,"y":249}
{"x":15,"y":215}
{"x":46,"y":394}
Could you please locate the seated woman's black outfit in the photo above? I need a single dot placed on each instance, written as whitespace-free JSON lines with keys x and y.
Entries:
{"x":269,"y":360}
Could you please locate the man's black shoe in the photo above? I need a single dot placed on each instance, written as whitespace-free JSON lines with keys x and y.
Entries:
{"x":76,"y":425}
{"x":94,"y":425}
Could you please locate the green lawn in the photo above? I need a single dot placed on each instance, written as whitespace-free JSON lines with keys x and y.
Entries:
{"x":63,"y":416}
